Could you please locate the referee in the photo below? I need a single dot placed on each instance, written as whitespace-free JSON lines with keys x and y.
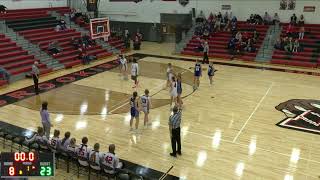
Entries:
{"x":174,"y":127}
{"x":35,"y":76}
{"x":205,"y":53}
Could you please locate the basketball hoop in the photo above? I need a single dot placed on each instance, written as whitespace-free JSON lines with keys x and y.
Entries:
{"x":99,"y":28}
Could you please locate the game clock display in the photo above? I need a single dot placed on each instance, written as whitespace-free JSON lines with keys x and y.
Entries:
{"x":26,"y":164}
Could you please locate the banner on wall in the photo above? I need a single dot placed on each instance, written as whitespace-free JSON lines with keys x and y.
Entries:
{"x":226,"y":7}
{"x":309,"y":9}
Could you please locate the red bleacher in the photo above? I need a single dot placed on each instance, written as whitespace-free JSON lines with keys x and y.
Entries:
{"x":68,"y":56}
{"x":16,"y":60}
{"x":309,"y":57}
{"x":30,"y":13}
{"x":218,"y":43}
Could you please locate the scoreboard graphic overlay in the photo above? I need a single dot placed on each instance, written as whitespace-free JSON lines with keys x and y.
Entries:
{"x":99,"y":28}
{"x":27,"y":164}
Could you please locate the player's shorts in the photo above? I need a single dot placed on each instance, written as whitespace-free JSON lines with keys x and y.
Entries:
{"x":123,"y":67}
{"x":197,"y":74}
{"x":210,"y":74}
{"x":179,"y":91}
{"x":145,"y":109}
{"x":134,"y":112}
{"x":134,"y":78}
{"x":173,"y":94}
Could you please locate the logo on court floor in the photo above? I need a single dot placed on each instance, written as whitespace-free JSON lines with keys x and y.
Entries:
{"x":301,"y":114}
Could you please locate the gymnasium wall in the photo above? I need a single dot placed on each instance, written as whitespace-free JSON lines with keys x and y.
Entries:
{"x":149,"y":10}
{"x":24,"y":4}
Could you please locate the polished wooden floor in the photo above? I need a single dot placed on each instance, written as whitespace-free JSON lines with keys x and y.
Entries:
{"x":228,"y":129}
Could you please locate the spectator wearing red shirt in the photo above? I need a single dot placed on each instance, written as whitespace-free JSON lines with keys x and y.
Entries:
{"x":289,"y":30}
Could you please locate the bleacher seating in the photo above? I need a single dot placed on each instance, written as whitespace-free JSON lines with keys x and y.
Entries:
{"x":309,"y":57}
{"x":16,"y":60}
{"x":218,"y":43}
{"x":40,"y":30}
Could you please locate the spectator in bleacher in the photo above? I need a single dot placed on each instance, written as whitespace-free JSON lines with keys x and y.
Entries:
{"x":206,"y":34}
{"x":301,"y":32}
{"x":3,"y":9}
{"x":201,"y":17}
{"x":296,"y":46}
{"x":267,"y":18}
{"x":217,"y":25}
{"x":251,"y":19}
{"x":234,"y":27}
{"x":111,"y":161}
{"x":301,"y":20}
{"x":4,"y":74}
{"x":211,"y":17}
{"x":278,"y":45}
{"x":289,"y":46}
{"x":258,"y":19}
{"x":54,"y":48}
{"x":250,"y":46}
{"x":63,"y":25}
{"x":86,"y":41}
{"x":255,"y":36}
{"x":238,"y":36}
{"x":234,"y":19}
{"x":276,"y":19}
{"x":76,"y":43}
{"x":293,"y":19}
{"x":290,"y":30}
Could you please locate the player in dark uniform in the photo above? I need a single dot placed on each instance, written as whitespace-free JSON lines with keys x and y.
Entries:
{"x":197,"y":75}
{"x":134,"y":110}
{"x":211,"y":72}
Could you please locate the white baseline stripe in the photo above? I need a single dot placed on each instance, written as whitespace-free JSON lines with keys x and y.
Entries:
{"x":254,"y":111}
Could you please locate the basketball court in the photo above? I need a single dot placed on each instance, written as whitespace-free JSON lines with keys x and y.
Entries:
{"x":229,"y":129}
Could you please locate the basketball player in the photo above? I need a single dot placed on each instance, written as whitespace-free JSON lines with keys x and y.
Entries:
{"x":146,"y":105}
{"x":197,"y":74}
{"x":83,"y":152}
{"x":179,"y":89}
{"x":55,"y":141}
{"x":173,"y":92}
{"x":134,"y":110}
{"x":95,"y":157}
{"x":211,"y":72}
{"x":123,"y":66}
{"x":110,"y":161}
{"x":135,"y":72}
{"x":169,"y":74}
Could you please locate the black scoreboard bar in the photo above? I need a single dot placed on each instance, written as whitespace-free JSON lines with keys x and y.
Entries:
{"x":27,"y":164}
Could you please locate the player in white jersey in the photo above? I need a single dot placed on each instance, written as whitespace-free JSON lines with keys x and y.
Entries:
{"x":38,"y":137}
{"x":146,"y":105}
{"x":123,"y":66}
{"x":83,"y":152}
{"x":173,"y":91}
{"x":111,"y":161}
{"x":72,"y":148}
{"x":55,"y":141}
{"x":135,"y":73}
{"x":95,"y":157}
{"x":170,"y":74}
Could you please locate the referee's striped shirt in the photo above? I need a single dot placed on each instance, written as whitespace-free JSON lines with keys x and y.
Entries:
{"x":175,"y":120}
